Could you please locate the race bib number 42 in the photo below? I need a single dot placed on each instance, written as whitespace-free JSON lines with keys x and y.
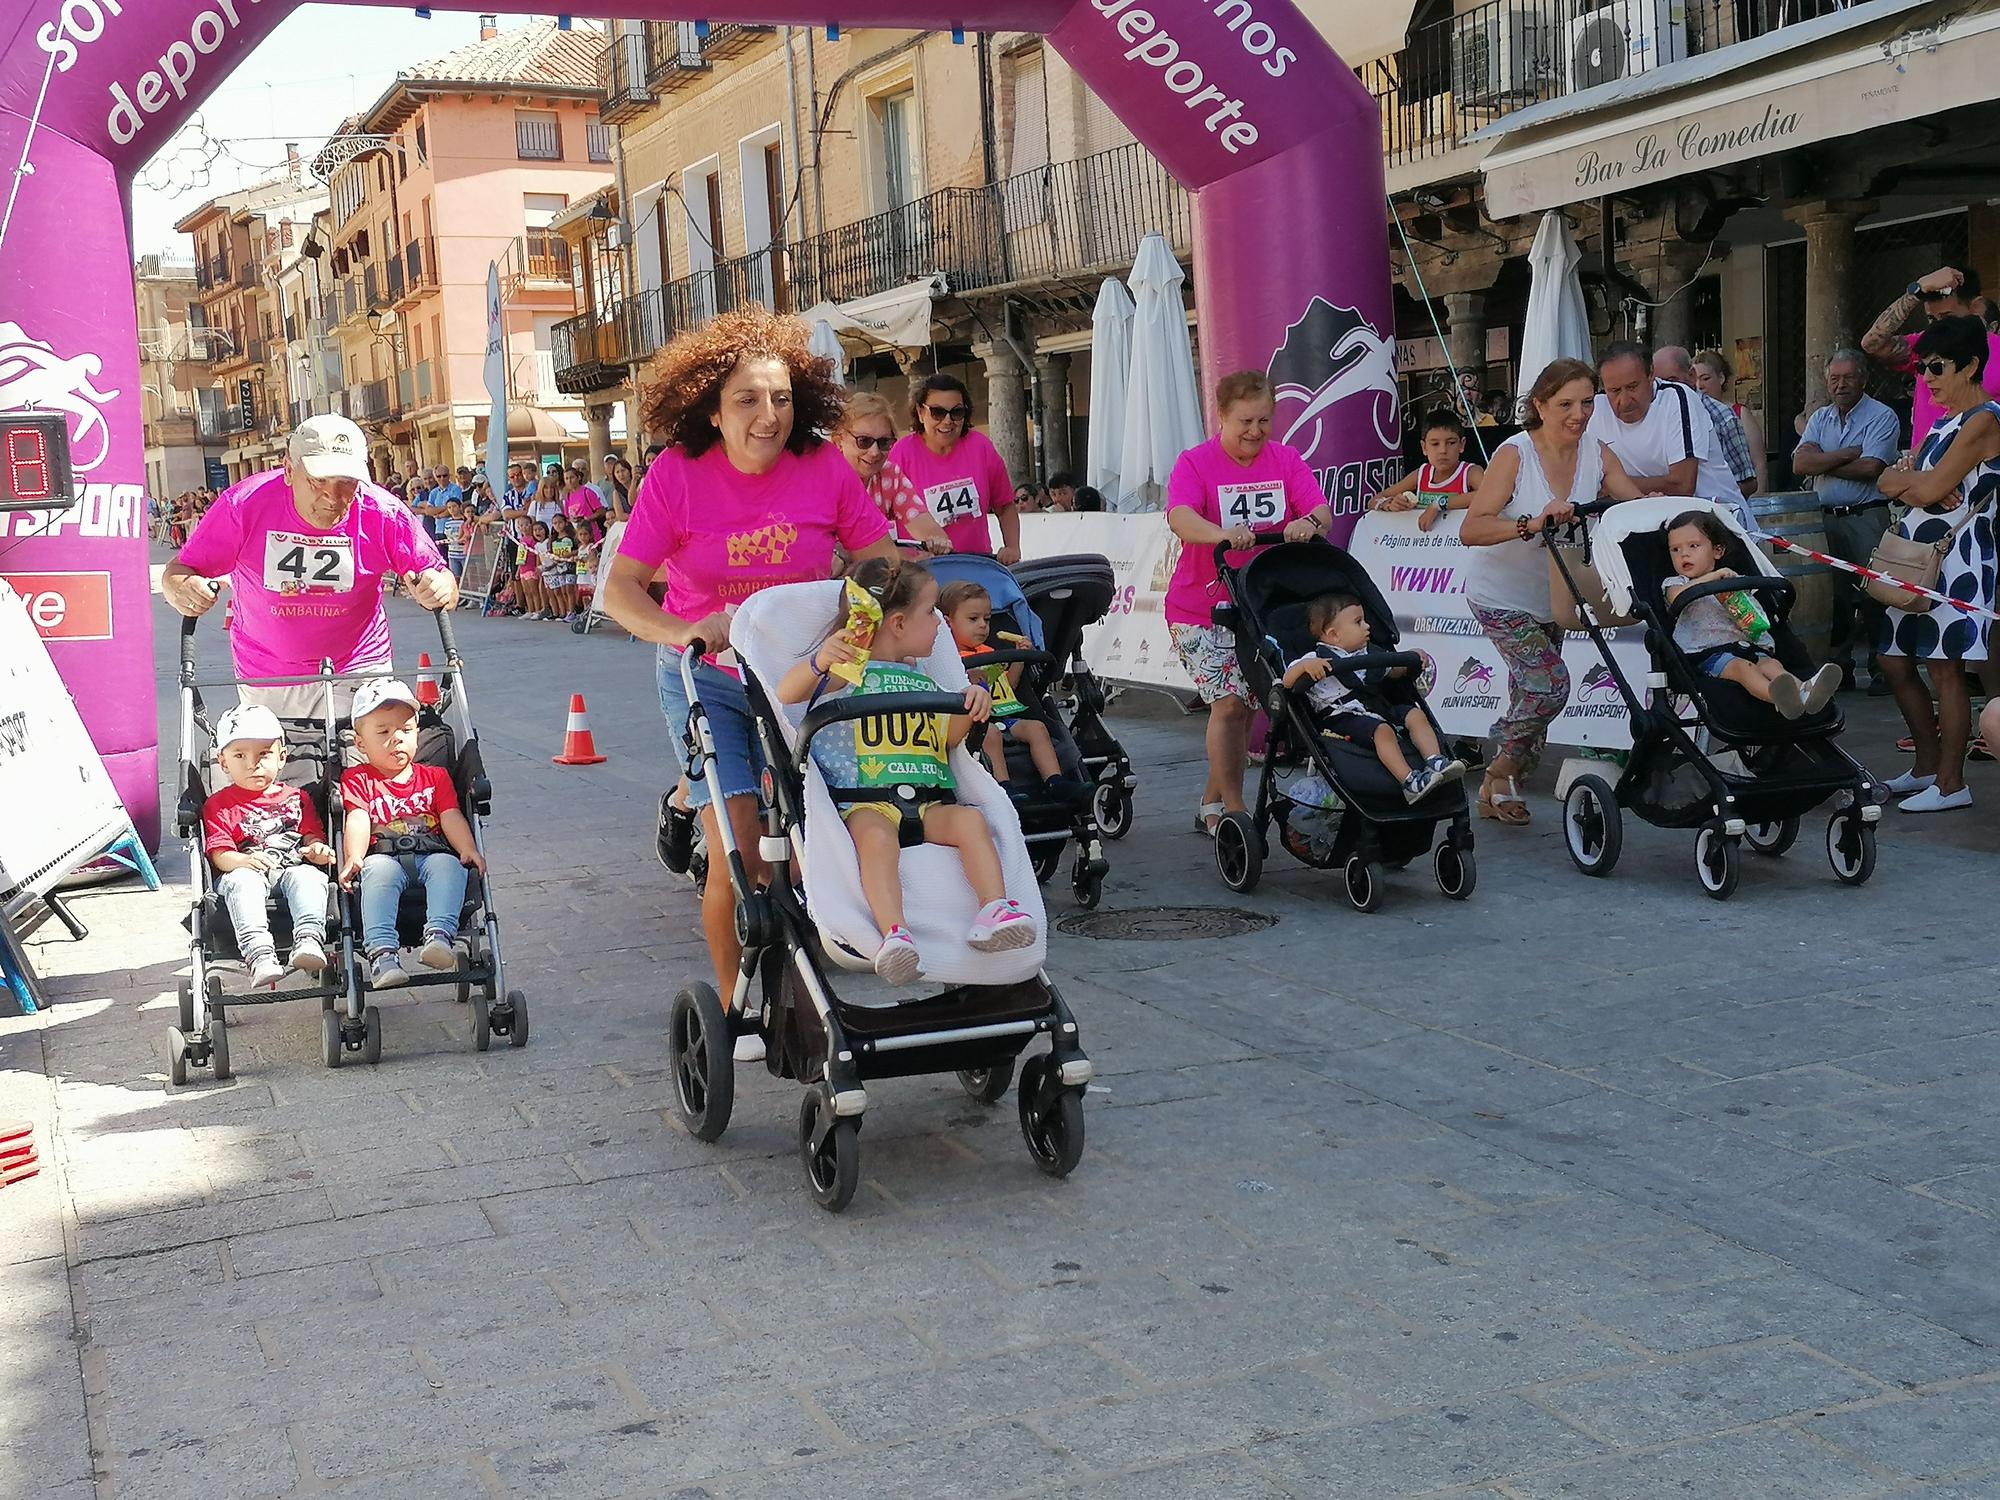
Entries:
{"x":956,"y":501}
{"x":1260,"y":506}
{"x":297,"y":563}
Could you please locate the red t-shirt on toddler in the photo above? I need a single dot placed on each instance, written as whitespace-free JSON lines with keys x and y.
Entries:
{"x":414,"y":803}
{"x":277,"y":821}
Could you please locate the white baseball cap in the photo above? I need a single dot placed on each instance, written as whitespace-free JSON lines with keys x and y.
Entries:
{"x":330,"y":447}
{"x":247,"y":721}
{"x":377,"y":691}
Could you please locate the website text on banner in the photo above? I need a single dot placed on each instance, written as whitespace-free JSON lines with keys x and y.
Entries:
{"x":1131,"y":643}
{"x":1422,"y":576}
{"x":1243,"y":101}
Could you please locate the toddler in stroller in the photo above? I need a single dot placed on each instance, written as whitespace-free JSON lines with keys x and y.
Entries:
{"x":1359,"y":703}
{"x":897,"y":768}
{"x":968,"y":610}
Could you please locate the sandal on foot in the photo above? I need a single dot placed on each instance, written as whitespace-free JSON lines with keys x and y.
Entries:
{"x":1503,"y":806}
{"x":1207,"y":816}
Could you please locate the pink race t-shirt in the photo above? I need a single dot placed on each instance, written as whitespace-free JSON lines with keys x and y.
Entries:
{"x":1266,"y":494}
{"x":1924,"y":412}
{"x":725,"y":535}
{"x":302,"y":595}
{"x":960,"y":490}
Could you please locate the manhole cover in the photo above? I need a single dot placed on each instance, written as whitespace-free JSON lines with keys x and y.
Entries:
{"x":1163,"y":924}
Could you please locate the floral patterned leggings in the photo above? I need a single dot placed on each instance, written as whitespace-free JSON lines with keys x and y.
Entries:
{"x":1537,"y":683}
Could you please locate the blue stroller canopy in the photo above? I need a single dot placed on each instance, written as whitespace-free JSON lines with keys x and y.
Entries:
{"x":992,"y":575}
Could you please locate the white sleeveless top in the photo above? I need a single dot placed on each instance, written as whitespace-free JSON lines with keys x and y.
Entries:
{"x":1515,"y":575}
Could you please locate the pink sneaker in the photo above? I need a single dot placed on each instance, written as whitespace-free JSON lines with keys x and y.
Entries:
{"x":1001,"y":926}
{"x":897,"y":960}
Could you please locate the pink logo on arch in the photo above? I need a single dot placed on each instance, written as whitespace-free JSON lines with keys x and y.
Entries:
{"x":1331,"y":355}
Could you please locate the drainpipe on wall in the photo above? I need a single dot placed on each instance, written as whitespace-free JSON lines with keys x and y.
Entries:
{"x":812,"y":92}
{"x":794,"y":208}
{"x":628,"y":272}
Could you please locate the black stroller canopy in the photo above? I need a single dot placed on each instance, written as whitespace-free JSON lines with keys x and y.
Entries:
{"x":1278,"y":583}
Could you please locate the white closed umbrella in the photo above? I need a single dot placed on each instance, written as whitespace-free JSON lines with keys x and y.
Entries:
{"x":1110,"y":354}
{"x":824,"y":343}
{"x":1162,"y":406}
{"x":1558,"y":323}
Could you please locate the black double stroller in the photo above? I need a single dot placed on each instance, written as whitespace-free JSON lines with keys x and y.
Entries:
{"x":976,"y":1013}
{"x":1336,"y":807}
{"x":350,"y":1021}
{"x":1705,"y":754}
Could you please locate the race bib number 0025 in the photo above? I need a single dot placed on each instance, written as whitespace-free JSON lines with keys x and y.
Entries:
{"x":956,"y":501}
{"x":297,"y":563}
{"x":1259,"y":506}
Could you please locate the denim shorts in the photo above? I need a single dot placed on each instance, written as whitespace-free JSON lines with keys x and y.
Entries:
{"x":739,"y":762}
{"x":1716,"y":662}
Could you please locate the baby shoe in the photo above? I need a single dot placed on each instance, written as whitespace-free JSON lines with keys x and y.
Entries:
{"x":265,"y":971}
{"x":1417,"y":785}
{"x":437,"y":952}
{"x":1821,"y":687}
{"x":1001,"y":925}
{"x":385,"y":970}
{"x":308,"y":955}
{"x":897,"y":960}
{"x":1786,"y":696}
{"x":1446,"y":768}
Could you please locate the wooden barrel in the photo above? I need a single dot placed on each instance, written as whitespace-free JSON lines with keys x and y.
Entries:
{"x":1795,"y":516}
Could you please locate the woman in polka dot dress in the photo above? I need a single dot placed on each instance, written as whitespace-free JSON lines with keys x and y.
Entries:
{"x":1950,"y":490}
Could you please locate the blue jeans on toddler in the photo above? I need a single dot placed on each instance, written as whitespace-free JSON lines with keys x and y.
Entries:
{"x":383,"y":877}
{"x":243,"y":892}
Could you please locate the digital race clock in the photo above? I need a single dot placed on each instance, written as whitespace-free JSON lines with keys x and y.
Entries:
{"x":35,"y":469}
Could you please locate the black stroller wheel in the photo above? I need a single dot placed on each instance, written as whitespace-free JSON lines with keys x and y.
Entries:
{"x":1772,"y":839}
{"x":1051,"y":1117}
{"x":482,"y":1023}
{"x":329,"y":1038}
{"x":702,"y":1059}
{"x":468,"y":961}
{"x":1045,"y":859}
{"x":1718,"y":862}
{"x":1593,"y":830}
{"x":829,"y":1149}
{"x":1363,"y":879}
{"x":1111,"y":808}
{"x":1086,"y":885}
{"x":517,"y":1019}
{"x":987,"y":1085}
{"x":1850,"y":847}
{"x":218,"y":1032}
{"x":371,"y":1035}
{"x":1457,"y":874}
{"x":177,"y":1059}
{"x":186,"y":998}
{"x":1239,"y":853}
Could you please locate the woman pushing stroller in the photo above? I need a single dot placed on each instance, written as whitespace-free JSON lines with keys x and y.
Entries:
{"x":891,"y":777}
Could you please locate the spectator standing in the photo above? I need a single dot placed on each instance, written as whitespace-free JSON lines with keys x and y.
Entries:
{"x":1661,"y":433}
{"x":1676,"y":365}
{"x":1946,"y":293}
{"x":1847,"y":444}
{"x":1711,"y":378}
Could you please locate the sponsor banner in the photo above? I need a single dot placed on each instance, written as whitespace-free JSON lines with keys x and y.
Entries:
{"x":1422,"y":576}
{"x":1131,"y":644}
{"x":65,"y":606}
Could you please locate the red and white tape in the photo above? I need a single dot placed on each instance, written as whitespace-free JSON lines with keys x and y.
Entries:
{"x":1844,"y":566}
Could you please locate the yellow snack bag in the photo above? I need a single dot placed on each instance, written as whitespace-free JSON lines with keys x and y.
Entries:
{"x":864,"y":613}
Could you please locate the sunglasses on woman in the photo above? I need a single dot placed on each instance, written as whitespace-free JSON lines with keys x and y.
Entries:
{"x":949,"y":413}
{"x":865,"y":444}
{"x":1937,"y":369}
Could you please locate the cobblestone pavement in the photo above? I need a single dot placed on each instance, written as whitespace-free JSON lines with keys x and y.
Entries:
{"x":1583,"y":1189}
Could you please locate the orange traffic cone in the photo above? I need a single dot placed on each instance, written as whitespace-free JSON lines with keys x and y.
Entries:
{"x":579,"y":749}
{"x":427,"y":685}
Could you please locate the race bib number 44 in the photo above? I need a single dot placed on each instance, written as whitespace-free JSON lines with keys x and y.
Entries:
{"x":956,"y":501}
{"x":1260,"y":506}
{"x":298,"y":563}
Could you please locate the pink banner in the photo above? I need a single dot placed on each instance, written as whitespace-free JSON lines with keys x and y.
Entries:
{"x":1241,"y":99}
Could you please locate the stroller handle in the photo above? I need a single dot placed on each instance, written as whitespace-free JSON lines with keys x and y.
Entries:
{"x":1257,"y":539}
{"x":1377,"y":661}
{"x":873,"y":706}
{"x":1011,"y":658}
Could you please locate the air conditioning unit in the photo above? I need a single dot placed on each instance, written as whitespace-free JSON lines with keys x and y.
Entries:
{"x":1623,"y":37}
{"x":1498,"y":54}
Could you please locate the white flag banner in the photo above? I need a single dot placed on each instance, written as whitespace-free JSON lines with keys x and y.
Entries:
{"x":496,"y":385}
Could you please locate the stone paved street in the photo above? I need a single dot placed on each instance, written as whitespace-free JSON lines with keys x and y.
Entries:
{"x":1584,"y":1189}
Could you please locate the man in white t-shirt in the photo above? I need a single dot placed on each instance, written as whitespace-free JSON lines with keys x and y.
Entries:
{"x":1660,"y":431}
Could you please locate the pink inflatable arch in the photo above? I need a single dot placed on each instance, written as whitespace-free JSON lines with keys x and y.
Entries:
{"x":1241,"y":99}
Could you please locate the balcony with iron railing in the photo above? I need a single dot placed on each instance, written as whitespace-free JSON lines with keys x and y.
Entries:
{"x":246,"y":273}
{"x":1459,"y":74}
{"x":212,"y":424}
{"x":954,"y":231}
{"x":420,"y":267}
{"x":371,"y":402}
{"x":373,"y":295}
{"x":592,"y":349}
{"x":621,"y":73}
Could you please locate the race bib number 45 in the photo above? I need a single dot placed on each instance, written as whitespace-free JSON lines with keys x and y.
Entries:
{"x":297,"y":563}
{"x":1260,"y":506}
{"x":956,"y":501}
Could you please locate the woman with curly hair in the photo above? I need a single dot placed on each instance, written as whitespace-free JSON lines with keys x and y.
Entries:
{"x":958,"y":473}
{"x":746,"y":496}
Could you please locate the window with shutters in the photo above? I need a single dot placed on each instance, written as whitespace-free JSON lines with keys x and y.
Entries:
{"x":599,"y":137}
{"x":1098,"y":129}
{"x":537,"y":135}
{"x":1025,"y":195}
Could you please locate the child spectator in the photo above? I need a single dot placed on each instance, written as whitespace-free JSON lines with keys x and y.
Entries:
{"x":1443,"y":482}
{"x":402,"y":823}
{"x":262,"y":836}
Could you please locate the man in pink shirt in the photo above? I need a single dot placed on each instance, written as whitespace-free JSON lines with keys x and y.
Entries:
{"x":307,"y":549}
{"x":1946,"y":293}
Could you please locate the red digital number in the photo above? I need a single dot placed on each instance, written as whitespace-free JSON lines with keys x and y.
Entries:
{"x":28,"y":464}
